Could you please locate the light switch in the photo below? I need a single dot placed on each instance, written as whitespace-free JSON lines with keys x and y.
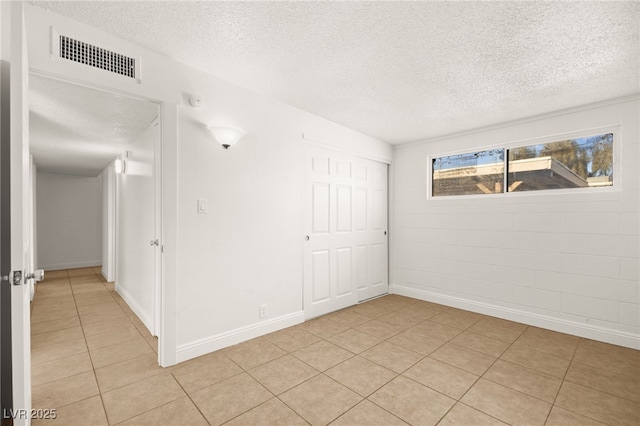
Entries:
{"x":202,"y":205}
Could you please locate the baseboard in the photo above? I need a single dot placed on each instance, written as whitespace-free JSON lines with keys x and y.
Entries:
{"x":213,"y":343}
{"x":588,"y":331}
{"x":135,"y":307}
{"x":71,"y":265}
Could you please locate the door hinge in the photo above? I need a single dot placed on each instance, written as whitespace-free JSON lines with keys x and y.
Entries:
{"x":14,"y":278}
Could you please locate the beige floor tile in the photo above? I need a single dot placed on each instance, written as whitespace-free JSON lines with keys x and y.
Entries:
{"x":59,"y":324}
{"x":98,"y":308}
{"x":59,"y":336}
{"x":406,"y":399}
{"x":436,"y":330}
{"x":126,"y":372}
{"x":348,"y":318}
{"x":293,"y":338}
{"x":204,"y":371}
{"x":539,"y":361}
{"x":417,"y":342}
{"x":53,"y":303}
{"x":622,"y":385}
{"x":38,"y":316}
{"x":126,"y":333}
{"x":424,"y":310}
{"x":88,"y":299}
{"x":598,"y":405}
{"x":125,"y":351}
{"x":608,"y":357}
{"x":506,"y":404}
{"x":82,"y":413}
{"x":370,"y":310}
{"x":323,"y":355}
{"x":272,"y":412}
{"x":282,"y":373}
{"x":61,"y":368}
{"x":361,"y":375}
{"x":64,"y":391}
{"x":152,"y":341}
{"x":51,"y":352}
{"x":561,"y":417}
{"x":394,"y":302}
{"x":105,"y":326}
{"x":324,"y":327}
{"x":52,"y":275}
{"x":320,"y":400}
{"x":499,"y":329}
{"x":466,"y":359}
{"x":354,"y":340}
{"x":253,"y":353}
{"x":442,"y":377}
{"x":80,"y":271}
{"x":480,"y":343}
{"x":462,"y":415}
{"x":402,"y":319}
{"x":230,"y":398}
{"x":557,"y":344}
{"x":139,"y":397}
{"x":525,"y":380}
{"x":368,"y":414}
{"x":50,"y":291}
{"x":144,"y":331}
{"x":391,"y":356}
{"x":457,"y":318}
{"x":176,"y":413}
{"x":380,"y":329}
{"x":113,"y":313}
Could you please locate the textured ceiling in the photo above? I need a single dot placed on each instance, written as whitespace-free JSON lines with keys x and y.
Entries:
{"x":79,"y":130}
{"x":398,"y":71}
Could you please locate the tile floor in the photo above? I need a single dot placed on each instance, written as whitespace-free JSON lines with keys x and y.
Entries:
{"x":390,"y":361}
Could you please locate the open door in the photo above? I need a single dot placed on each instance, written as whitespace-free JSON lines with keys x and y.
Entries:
{"x":15,"y":210}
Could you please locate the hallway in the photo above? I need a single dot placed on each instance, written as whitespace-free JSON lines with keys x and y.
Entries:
{"x":389,"y":361}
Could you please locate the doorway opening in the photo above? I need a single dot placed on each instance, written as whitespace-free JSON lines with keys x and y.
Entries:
{"x":97,"y":188}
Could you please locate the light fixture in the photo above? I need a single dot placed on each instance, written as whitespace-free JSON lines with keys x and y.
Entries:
{"x":120,"y":166}
{"x":226,"y":136}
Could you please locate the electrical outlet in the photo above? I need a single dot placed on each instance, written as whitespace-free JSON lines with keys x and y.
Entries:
{"x":263,"y":311}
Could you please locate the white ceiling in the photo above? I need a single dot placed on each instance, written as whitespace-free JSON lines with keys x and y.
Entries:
{"x":78,"y":130}
{"x":398,"y":71}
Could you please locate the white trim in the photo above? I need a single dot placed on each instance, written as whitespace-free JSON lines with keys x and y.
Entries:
{"x":588,"y":331}
{"x":553,"y":114}
{"x":342,"y":150}
{"x":218,"y":341}
{"x":135,"y":307}
{"x":71,"y":265}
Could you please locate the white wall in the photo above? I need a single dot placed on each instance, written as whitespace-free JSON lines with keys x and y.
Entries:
{"x":565,"y":261}
{"x":217,"y":267}
{"x":69,"y":221}
{"x":108,"y":223}
{"x":135,"y":227}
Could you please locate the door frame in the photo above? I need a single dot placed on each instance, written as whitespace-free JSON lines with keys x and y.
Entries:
{"x":158,"y":315}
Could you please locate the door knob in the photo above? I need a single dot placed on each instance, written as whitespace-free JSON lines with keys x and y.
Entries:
{"x":37,"y":275}
{"x":154,"y":242}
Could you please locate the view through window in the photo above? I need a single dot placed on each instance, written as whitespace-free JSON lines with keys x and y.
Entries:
{"x":582,"y":162}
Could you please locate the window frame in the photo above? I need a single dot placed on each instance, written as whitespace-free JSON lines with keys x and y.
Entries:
{"x":556,"y":137}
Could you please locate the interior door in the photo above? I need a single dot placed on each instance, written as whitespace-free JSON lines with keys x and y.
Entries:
{"x":346,"y":235}
{"x":19,"y":199}
{"x":372,"y":248}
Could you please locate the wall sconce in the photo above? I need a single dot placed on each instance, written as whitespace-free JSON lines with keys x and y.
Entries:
{"x":120,"y":166}
{"x":226,"y":136}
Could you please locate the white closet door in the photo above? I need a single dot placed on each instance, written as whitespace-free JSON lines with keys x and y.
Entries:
{"x":343,"y":264}
{"x":372,"y":247}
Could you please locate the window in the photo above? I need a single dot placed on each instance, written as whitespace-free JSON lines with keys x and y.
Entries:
{"x":571,"y":163}
{"x":468,"y":174}
{"x":582,"y":162}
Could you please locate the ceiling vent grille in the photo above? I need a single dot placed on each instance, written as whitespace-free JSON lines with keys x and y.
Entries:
{"x":85,"y":53}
